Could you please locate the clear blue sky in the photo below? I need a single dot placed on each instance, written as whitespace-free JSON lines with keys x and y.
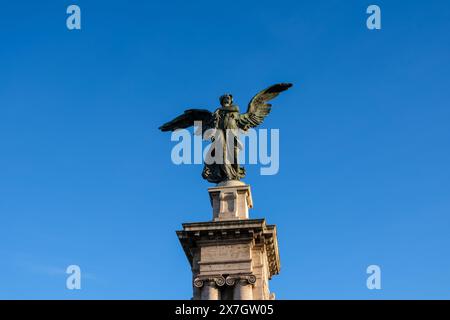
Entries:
{"x":86,"y":177}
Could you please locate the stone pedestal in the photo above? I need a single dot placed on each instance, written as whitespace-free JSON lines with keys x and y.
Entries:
{"x":232,"y":257}
{"x":230,"y":201}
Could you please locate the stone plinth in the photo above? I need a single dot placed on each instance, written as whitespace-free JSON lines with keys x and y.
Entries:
{"x":230,"y":201}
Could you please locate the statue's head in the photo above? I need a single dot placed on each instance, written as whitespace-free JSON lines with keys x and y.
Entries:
{"x":226,"y":100}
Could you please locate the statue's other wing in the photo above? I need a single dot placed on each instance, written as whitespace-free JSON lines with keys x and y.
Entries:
{"x":187,"y":119}
{"x":258,"y":108}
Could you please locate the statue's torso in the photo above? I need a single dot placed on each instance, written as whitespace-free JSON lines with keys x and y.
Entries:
{"x":226,"y":119}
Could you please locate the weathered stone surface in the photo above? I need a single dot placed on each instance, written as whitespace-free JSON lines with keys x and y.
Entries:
{"x":230,"y":201}
{"x":243,"y":252}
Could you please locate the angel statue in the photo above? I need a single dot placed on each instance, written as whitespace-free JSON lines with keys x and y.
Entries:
{"x":222,"y":164}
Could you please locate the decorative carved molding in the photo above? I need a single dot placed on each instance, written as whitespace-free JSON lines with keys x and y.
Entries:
{"x":217,"y":280}
{"x":220,"y":280}
{"x":230,"y":281}
{"x":246,"y":279}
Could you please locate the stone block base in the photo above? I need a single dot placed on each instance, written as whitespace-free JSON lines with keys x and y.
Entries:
{"x":231,"y":259}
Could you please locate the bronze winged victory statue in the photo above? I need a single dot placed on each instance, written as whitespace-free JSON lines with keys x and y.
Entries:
{"x":217,"y":126}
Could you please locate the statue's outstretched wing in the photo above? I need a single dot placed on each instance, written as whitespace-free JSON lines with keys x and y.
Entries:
{"x":258,"y":108}
{"x":187,"y":119}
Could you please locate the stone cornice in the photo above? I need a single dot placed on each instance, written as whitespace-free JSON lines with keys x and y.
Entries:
{"x":254,"y":230}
